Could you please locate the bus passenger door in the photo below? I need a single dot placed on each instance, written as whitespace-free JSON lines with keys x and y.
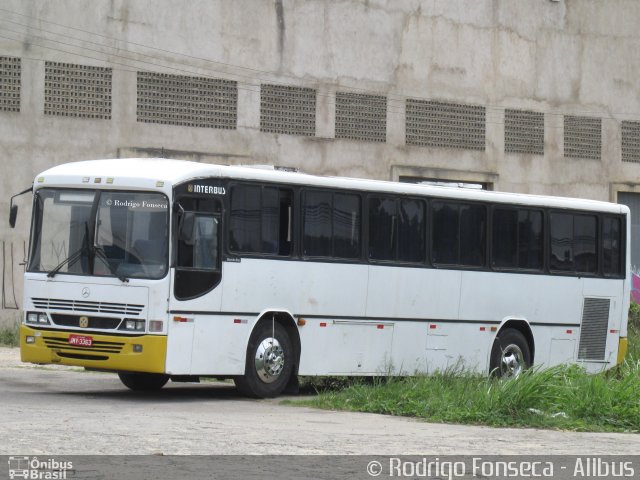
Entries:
{"x":197,"y":273}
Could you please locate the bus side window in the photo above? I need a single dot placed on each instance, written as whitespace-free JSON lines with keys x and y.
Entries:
{"x":331,"y":225}
{"x":346,"y":225}
{"x":611,"y":246}
{"x":198,"y":241}
{"x":561,"y":232}
{"x":197,"y":248}
{"x":473,"y":234}
{"x":573,"y":243}
{"x":261,"y":220}
{"x":317,"y":225}
{"x":584,"y":243}
{"x":459,"y":234}
{"x":530,"y":240}
{"x":382,"y":228}
{"x":505,"y":238}
{"x":397,"y":229}
{"x":285,"y":231}
{"x":517,"y":238}
{"x":446,"y":233}
{"x":411,"y":231}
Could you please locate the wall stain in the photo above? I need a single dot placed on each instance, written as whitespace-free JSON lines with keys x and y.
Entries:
{"x":281,"y":29}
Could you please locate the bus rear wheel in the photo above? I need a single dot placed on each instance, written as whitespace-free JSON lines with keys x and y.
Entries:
{"x":269,"y":362}
{"x":143,"y":382}
{"x":510,"y":354}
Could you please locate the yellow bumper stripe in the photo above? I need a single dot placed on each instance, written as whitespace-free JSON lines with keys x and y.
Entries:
{"x":108,"y":352}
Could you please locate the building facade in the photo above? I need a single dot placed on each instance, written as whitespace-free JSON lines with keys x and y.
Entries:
{"x":538,"y":97}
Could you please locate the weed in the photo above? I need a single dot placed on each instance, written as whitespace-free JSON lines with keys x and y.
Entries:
{"x":9,"y":336}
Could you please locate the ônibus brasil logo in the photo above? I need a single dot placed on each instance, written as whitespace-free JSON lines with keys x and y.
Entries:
{"x":35,"y":469}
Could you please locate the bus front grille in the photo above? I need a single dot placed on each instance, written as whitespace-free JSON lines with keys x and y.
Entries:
{"x":593,"y":332}
{"x":62,"y":345}
{"x":85,"y":306}
{"x":93,"y":322}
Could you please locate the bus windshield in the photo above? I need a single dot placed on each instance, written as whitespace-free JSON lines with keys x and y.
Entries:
{"x":101,"y":233}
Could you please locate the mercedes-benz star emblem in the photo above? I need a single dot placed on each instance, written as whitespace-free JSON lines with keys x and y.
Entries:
{"x":86,"y":292}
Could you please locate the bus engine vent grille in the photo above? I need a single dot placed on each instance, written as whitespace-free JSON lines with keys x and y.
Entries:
{"x":593,"y":333}
{"x":84,"y":306}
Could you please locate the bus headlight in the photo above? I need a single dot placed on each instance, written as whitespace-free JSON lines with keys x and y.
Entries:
{"x":37,"y":318}
{"x":133,"y":325}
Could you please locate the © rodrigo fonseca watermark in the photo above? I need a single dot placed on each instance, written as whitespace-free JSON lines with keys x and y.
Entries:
{"x":581,"y":467}
{"x":33,"y":468}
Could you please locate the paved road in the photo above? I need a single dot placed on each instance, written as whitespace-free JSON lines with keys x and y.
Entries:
{"x":63,"y":411}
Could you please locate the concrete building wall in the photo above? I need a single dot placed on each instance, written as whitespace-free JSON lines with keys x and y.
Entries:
{"x":558,"y":58}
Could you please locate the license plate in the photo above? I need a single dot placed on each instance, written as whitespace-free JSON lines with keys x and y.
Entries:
{"x":80,"y":340}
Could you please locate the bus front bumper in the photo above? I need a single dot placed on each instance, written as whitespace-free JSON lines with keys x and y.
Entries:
{"x":144,"y":353}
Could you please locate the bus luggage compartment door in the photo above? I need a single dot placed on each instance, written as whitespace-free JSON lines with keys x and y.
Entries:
{"x":360,"y":347}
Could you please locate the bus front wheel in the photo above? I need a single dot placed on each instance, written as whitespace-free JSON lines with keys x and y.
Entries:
{"x":510,"y":354}
{"x":269,"y":362}
{"x":143,"y":382}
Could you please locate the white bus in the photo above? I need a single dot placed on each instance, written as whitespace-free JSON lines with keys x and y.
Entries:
{"x":163,"y":269}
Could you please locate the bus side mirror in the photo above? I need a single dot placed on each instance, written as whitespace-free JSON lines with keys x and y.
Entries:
{"x":13,"y":209}
{"x":13,"y":214}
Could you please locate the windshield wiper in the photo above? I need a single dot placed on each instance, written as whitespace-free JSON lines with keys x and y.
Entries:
{"x":73,"y":258}
{"x":102,"y":255}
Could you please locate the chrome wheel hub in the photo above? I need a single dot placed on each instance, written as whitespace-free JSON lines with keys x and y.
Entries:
{"x":269,"y":360}
{"x":512,"y":361}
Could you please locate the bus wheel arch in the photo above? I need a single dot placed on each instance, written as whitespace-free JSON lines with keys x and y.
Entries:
{"x":272,"y":357}
{"x":513,"y":349}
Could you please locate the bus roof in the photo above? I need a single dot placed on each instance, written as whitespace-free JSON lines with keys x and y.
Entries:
{"x":143,"y":172}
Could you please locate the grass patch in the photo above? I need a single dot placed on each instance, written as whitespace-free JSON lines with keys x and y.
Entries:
{"x":9,"y":336}
{"x":563,"y":397}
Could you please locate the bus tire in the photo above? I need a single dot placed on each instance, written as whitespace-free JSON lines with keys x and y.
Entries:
{"x":510,"y":354}
{"x":269,"y":363}
{"x":143,"y":382}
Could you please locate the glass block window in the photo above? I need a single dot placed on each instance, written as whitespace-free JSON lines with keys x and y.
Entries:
{"x":582,"y":137}
{"x":631,"y":142}
{"x":523,"y":132}
{"x":449,"y":125}
{"x":10,"y":69}
{"x":72,"y":90}
{"x":361,"y":117}
{"x":290,"y":110}
{"x":188,"y":101}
